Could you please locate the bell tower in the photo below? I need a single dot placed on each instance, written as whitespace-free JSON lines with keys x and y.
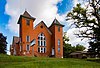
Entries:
{"x":25,"y":29}
{"x":57,"y":38}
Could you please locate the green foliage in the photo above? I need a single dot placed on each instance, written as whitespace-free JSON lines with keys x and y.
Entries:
{"x":94,"y":49}
{"x":89,"y":19}
{"x":65,"y":38}
{"x":36,"y":62}
{"x":67,"y":49}
{"x":80,"y":48}
{"x":3,"y":44}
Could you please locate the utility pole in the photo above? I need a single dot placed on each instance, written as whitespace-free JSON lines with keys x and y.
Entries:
{"x":32,"y":50}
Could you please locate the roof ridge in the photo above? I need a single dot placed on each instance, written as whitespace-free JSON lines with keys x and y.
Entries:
{"x":56,"y":22}
{"x":26,"y":14}
{"x":44,"y":25}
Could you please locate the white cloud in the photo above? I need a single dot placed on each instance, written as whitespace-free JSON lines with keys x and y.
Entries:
{"x":74,"y":40}
{"x":75,"y":2}
{"x":45,"y":10}
{"x":83,"y":2}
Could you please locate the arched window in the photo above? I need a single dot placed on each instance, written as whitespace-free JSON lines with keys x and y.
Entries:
{"x":41,"y":40}
{"x":41,"y":43}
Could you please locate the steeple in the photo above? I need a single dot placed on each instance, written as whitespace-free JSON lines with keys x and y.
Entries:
{"x":57,"y":40}
{"x":56,"y":22}
{"x":26,"y":22}
{"x":25,"y":15}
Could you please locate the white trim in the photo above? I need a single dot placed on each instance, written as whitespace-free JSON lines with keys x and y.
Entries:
{"x":53,"y":51}
{"x":14,"y":51}
{"x":58,"y":49}
{"x":41,"y":40}
{"x":33,"y":42}
{"x":29,"y":48}
{"x":27,"y":38}
{"x":58,"y":42}
{"x":41,"y":49}
{"x":20,"y":48}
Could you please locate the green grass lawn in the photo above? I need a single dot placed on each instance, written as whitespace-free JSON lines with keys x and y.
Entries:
{"x":34,"y":62}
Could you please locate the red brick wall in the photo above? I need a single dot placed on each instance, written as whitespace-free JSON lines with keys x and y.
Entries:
{"x":25,"y":30}
{"x":59,"y":35}
{"x":33,"y":33}
{"x":51,"y":39}
{"x":55,"y":36}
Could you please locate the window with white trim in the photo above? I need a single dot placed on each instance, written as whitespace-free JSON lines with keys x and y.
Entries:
{"x":42,"y":49}
{"x":27,"y":47}
{"x":41,"y":43}
{"x":41,"y":40}
{"x":14,"y":51}
{"x":59,"y":49}
{"x":58,"y":42}
{"x":20,"y":48}
{"x":27,"y":38}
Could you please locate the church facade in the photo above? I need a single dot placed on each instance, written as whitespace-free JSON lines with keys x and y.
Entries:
{"x":39,"y":40}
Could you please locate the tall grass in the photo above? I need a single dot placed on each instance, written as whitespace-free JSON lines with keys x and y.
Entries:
{"x":36,"y":62}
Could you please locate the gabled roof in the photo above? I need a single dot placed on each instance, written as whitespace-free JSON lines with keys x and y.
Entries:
{"x":44,"y":25}
{"x":26,"y":15}
{"x":78,"y":52}
{"x":15,"y":39}
{"x":56,"y":22}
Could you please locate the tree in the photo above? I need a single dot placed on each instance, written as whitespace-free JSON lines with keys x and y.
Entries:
{"x":67,"y":49}
{"x":3,"y":44}
{"x":87,"y":20}
{"x":79,"y":47}
{"x":73,"y":49}
{"x":91,"y":50}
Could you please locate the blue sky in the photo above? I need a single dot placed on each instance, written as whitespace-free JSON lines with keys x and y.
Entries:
{"x":8,"y":14}
{"x":64,"y":6}
{"x":4,"y":18}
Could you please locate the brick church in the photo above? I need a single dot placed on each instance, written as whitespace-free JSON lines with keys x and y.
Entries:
{"x":39,"y":40}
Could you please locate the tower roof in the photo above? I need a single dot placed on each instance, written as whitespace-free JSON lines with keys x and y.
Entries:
{"x":56,"y":22}
{"x":26,"y":15}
